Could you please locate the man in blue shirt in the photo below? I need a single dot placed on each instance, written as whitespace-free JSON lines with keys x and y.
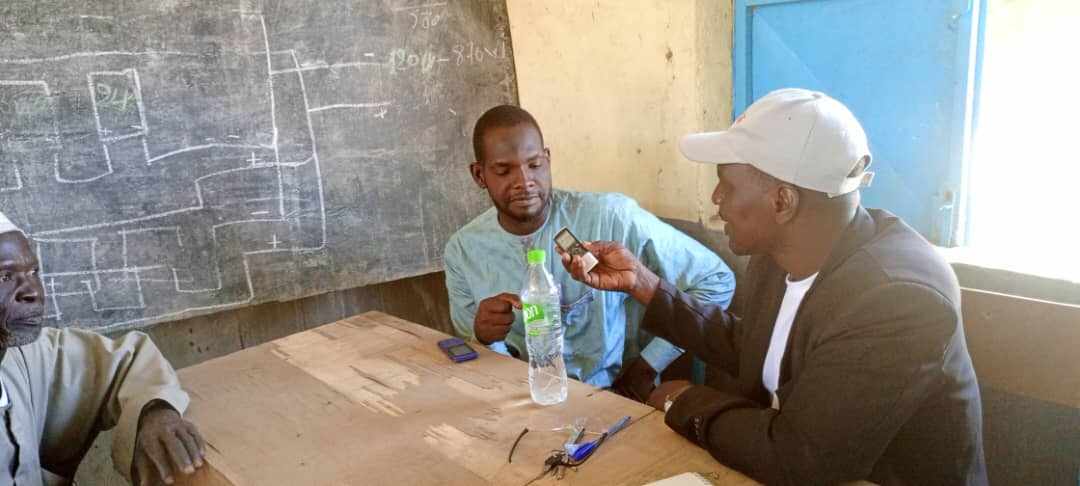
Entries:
{"x":485,"y":261}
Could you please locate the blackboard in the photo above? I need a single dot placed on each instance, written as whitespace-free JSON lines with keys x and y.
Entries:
{"x":179,"y":157}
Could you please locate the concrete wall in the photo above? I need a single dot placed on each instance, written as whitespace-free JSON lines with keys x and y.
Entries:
{"x":614,"y":83}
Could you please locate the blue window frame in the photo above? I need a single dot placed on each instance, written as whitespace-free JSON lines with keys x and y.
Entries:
{"x":907,"y":69}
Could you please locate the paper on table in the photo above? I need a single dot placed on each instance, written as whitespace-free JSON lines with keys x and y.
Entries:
{"x":684,"y":479}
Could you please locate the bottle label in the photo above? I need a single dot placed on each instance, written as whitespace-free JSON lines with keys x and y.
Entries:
{"x":533,"y":314}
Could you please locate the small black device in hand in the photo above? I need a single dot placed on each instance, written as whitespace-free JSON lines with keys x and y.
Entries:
{"x":570,"y":244}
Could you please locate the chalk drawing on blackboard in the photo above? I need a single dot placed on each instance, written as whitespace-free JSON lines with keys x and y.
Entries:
{"x":70,"y":262}
{"x":10,"y":175}
{"x":12,"y":180}
{"x":154,"y":170}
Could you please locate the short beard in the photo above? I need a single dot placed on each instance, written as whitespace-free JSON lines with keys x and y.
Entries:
{"x":541,"y":215}
{"x":16,"y":339}
{"x":17,"y":335}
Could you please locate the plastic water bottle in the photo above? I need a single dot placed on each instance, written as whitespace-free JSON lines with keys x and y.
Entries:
{"x":543,"y":332}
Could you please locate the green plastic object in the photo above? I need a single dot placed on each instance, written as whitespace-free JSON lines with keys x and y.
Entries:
{"x":536,"y":256}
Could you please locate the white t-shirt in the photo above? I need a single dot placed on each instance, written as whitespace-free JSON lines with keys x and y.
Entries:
{"x":793,"y":296}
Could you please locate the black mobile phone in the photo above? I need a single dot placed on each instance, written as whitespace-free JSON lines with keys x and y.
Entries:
{"x":457,"y":350}
{"x":570,"y":244}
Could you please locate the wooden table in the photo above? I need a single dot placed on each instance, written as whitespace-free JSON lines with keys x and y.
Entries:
{"x":372,"y":400}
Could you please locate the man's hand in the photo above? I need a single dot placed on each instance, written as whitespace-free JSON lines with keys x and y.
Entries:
{"x":617,"y":269}
{"x":667,"y":390}
{"x":636,"y":380}
{"x":166,"y":446}
{"x":494,"y":316}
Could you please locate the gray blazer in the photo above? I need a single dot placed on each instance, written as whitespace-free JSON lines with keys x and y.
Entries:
{"x":876,"y":382}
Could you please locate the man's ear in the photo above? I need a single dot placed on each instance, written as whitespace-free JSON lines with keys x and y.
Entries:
{"x":477,"y":171}
{"x":785,"y":203}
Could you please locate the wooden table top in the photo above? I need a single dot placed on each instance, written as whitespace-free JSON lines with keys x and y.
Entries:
{"x":372,"y":400}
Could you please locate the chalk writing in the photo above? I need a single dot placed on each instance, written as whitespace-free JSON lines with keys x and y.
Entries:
{"x":113,"y":98}
{"x":25,"y":105}
{"x":425,"y":19}
{"x":473,"y":53}
{"x":401,"y":60}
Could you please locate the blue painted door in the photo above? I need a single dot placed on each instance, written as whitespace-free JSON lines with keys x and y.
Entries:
{"x":906,"y":68}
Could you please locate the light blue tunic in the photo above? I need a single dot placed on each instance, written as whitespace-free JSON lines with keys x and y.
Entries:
{"x":483,"y":260}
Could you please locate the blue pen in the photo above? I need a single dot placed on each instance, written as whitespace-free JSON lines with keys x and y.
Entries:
{"x":579,"y":452}
{"x":621,"y":424}
{"x":584,"y":450}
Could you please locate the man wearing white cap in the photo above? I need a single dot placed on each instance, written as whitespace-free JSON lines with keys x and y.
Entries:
{"x":845,"y":342}
{"x":59,"y":388}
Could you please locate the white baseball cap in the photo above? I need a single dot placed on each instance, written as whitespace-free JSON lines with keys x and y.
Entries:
{"x":6,"y":225}
{"x":799,"y":136}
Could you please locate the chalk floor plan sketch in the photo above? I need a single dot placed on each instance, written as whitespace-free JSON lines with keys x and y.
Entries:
{"x":160,"y":181}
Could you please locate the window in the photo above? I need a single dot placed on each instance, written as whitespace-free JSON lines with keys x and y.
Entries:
{"x":1025,"y":198}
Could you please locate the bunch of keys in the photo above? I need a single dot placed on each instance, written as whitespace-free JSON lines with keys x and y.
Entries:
{"x":575,"y":454}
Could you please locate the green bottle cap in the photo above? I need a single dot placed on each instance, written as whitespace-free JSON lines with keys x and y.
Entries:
{"x":535,"y":256}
